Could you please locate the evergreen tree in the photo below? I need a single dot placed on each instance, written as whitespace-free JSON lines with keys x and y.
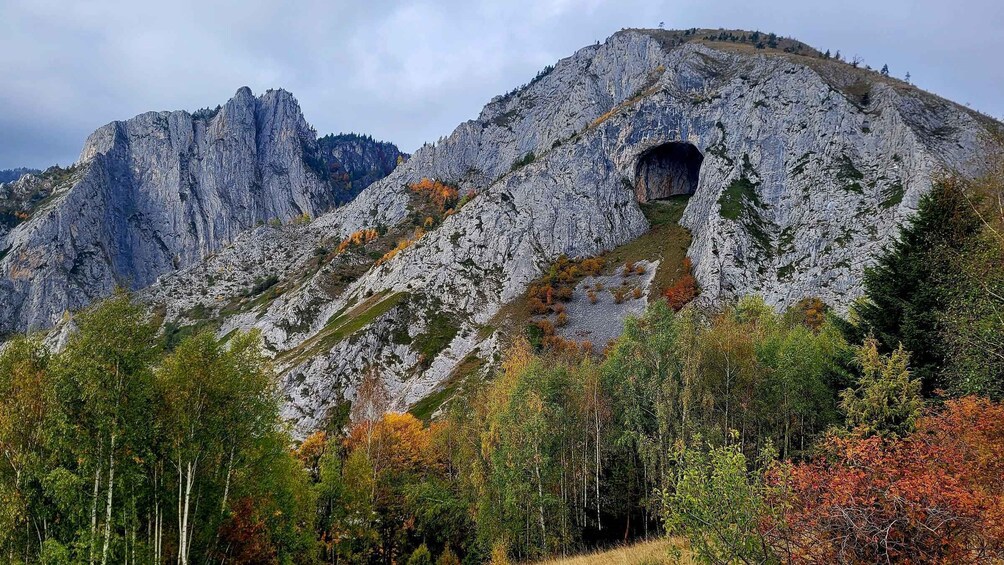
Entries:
{"x":886,"y":401}
{"x":911,"y":283}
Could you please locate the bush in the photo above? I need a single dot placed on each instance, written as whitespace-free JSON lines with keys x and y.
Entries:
{"x":718,"y":506}
{"x":420,"y":556}
{"x":684,"y":289}
{"x":448,"y":557}
{"x":932,"y":497}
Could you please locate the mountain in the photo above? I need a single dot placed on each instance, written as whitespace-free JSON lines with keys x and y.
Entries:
{"x":777,"y":170}
{"x":789,"y":169}
{"x":352,"y":162}
{"x":162,"y":191}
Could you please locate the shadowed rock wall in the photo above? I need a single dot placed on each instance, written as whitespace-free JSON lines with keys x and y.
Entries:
{"x":670,"y":169}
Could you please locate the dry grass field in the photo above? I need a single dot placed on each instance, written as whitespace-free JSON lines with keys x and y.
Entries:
{"x":656,"y":552}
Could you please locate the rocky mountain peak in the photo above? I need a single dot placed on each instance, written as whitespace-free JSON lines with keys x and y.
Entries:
{"x":158,"y":192}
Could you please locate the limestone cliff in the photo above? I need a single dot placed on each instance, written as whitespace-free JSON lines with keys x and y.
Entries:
{"x":800,"y":168}
{"x":159,"y":192}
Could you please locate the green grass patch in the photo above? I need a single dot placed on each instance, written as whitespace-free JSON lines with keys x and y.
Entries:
{"x":802,"y":162}
{"x":454,"y":385}
{"x":440,"y":332}
{"x":892,"y":196}
{"x":341,"y":326}
{"x":850,"y":175}
{"x":736,"y":197}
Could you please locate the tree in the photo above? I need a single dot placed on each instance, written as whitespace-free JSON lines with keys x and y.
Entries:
{"x":106,"y":388}
{"x":911,"y":284}
{"x":27,"y":413}
{"x":420,"y":556}
{"x":972,"y":324}
{"x":644,"y":377}
{"x":719,"y":506}
{"x":886,"y":400}
{"x":218,"y":404}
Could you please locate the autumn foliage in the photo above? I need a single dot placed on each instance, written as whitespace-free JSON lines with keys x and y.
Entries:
{"x":246,"y":536}
{"x":935,"y":496}
{"x":442,"y":195}
{"x":684,"y":289}
{"x":360,"y":237}
{"x":402,"y":244}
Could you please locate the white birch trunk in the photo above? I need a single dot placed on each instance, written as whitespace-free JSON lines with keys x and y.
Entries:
{"x":108,"y":506}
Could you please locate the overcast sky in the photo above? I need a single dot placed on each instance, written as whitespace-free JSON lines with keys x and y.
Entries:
{"x":409,"y":72}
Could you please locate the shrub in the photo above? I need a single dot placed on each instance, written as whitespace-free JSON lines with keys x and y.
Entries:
{"x":420,"y":556}
{"x":935,"y":496}
{"x":718,"y":506}
{"x":537,"y":306}
{"x":684,"y":289}
{"x":356,"y":238}
{"x":546,"y":327}
{"x":619,"y":293}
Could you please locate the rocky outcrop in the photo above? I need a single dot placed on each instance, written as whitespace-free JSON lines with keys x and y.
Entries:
{"x":797,"y":179}
{"x":11,"y":175}
{"x":159,"y":192}
{"x":801,"y":181}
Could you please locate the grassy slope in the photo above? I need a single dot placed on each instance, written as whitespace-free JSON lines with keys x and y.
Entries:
{"x":341,"y":326}
{"x":667,"y":242}
{"x":647,"y":552}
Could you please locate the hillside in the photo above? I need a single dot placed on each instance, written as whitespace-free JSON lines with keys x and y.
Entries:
{"x":788,"y":169}
{"x":794,"y":183}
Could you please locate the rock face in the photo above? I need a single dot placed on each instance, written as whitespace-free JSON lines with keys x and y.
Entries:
{"x":158,"y":192}
{"x":800,"y":170}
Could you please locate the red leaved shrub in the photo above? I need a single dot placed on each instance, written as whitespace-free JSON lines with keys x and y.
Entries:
{"x":684,"y":289}
{"x":935,"y":496}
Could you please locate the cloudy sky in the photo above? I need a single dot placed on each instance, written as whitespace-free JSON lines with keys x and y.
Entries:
{"x":409,"y":72}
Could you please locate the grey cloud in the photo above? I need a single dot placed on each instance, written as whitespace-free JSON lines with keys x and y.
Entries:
{"x":407,"y":72}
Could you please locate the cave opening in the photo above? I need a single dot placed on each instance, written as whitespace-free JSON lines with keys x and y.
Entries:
{"x":667,"y":170}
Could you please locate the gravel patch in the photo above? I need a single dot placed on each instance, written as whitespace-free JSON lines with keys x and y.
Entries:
{"x":604,"y":320}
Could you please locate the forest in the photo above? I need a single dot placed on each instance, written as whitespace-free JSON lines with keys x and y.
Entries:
{"x":747,"y":434}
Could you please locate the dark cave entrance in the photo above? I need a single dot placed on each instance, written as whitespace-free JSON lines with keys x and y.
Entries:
{"x":670,"y":169}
